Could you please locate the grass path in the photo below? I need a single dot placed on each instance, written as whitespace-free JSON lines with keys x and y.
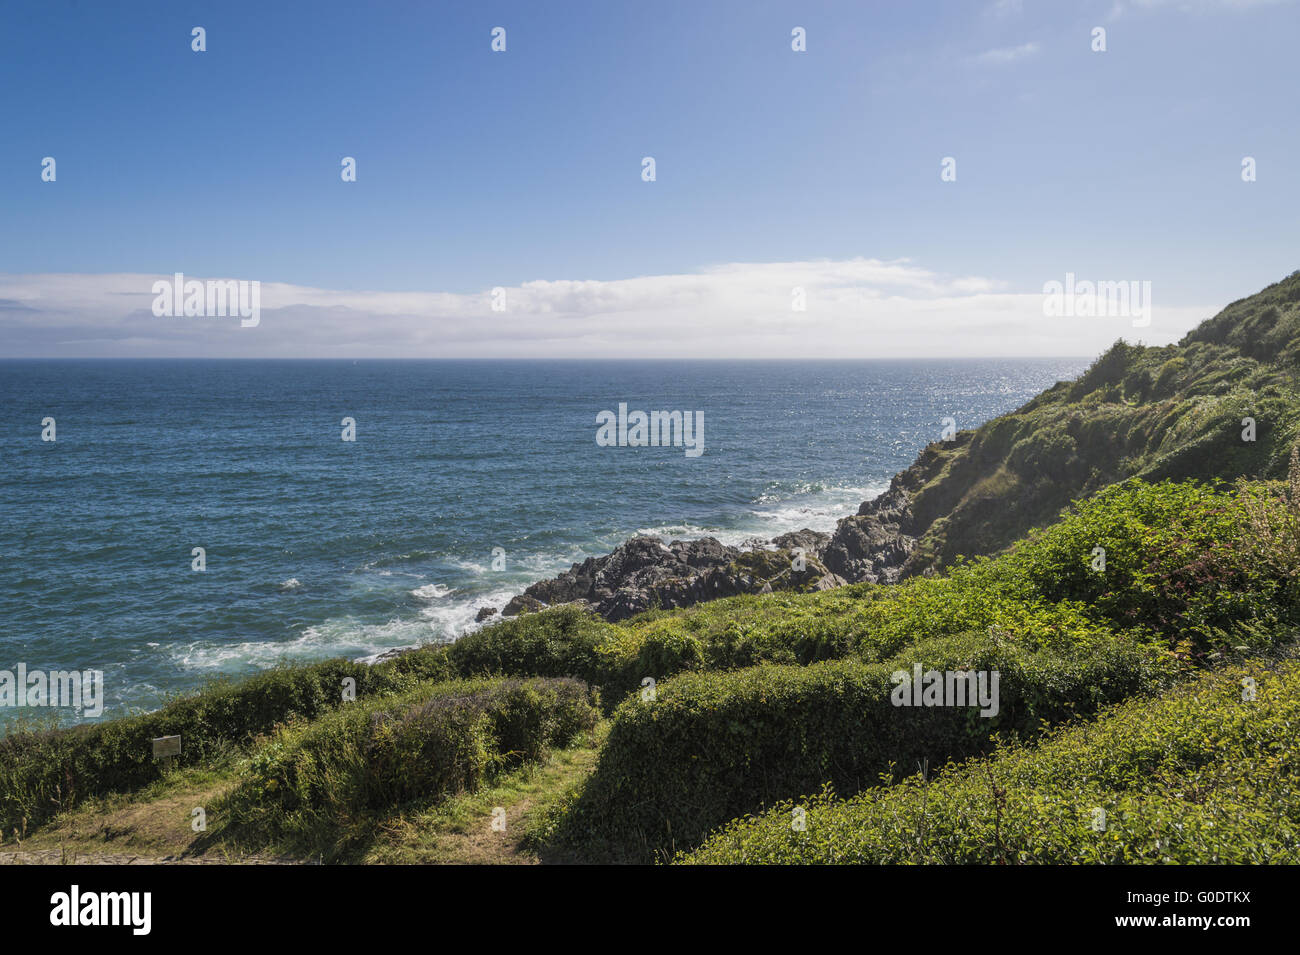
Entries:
{"x":485,"y":827}
{"x":148,"y":827}
{"x":154,"y":826}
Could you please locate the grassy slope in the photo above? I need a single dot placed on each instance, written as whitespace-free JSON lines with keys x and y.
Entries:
{"x":1172,"y":412}
{"x":1192,"y":573}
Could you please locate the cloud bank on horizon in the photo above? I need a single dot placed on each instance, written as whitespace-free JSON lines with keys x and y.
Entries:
{"x":855,"y":308}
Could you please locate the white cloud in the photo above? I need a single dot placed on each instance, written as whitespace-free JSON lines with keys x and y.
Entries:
{"x":859,"y":308}
{"x":1008,"y":54}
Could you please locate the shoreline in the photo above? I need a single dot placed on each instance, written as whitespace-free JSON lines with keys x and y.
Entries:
{"x":873,"y":545}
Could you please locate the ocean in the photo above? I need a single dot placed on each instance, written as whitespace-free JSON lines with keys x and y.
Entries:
{"x":317,"y":547}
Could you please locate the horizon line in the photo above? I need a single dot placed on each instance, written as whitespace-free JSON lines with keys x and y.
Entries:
{"x":138,"y":358}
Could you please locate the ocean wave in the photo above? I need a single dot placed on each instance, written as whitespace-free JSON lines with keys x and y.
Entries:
{"x":524,"y":565}
{"x":343,"y":637}
{"x":672,"y":532}
{"x":431,"y":591}
{"x":784,"y":490}
{"x":441,"y":621}
{"x":819,"y":514}
{"x":785,"y":512}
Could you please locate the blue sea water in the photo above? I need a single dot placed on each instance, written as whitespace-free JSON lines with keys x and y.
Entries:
{"x":318,"y":547}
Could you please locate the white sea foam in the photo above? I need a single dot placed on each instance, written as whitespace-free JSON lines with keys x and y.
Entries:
{"x":818,"y":510}
{"x":441,"y":621}
{"x":821,"y":513}
{"x":431,"y":591}
{"x":333,"y":638}
{"x":472,"y":566}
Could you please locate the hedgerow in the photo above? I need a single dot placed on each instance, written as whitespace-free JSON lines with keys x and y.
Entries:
{"x":1207,"y":774}
{"x":557,"y":642}
{"x":711,"y":746}
{"x":311,"y":783}
{"x":47,"y":770}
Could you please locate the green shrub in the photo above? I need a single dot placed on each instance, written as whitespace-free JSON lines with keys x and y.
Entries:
{"x":310,"y":784}
{"x":558,"y":642}
{"x":1272,"y":544}
{"x":712,"y":746}
{"x":1167,"y":377}
{"x":1203,"y":776}
{"x":1179,"y":560}
{"x":733,"y":633}
{"x":723,"y":634}
{"x":45,"y":771}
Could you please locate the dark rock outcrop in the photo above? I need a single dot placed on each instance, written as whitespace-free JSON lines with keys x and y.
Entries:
{"x":813,"y":542}
{"x":484,"y":613}
{"x":522,"y":603}
{"x":644,"y":573}
{"x":873,"y":545}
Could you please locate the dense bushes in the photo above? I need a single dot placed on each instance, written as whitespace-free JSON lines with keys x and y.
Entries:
{"x":1183,"y":563}
{"x":1203,"y":775}
{"x":569,"y":641}
{"x":1188,"y":568}
{"x":712,"y":746}
{"x":723,"y":634}
{"x":45,"y":771}
{"x":863,"y":621}
{"x":312,"y":782}
{"x":557,"y":642}
{"x":1181,"y":560}
{"x":735,"y":632}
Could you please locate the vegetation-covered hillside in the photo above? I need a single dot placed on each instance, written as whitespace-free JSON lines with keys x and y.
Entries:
{"x":1173,"y":412}
{"x":1142,"y":641}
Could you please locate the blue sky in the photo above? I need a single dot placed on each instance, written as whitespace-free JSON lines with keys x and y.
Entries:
{"x":479,"y":169}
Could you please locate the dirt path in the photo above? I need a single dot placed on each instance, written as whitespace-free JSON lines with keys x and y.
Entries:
{"x":468,"y":830}
{"x":481,"y":845}
{"x":126,"y":831}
